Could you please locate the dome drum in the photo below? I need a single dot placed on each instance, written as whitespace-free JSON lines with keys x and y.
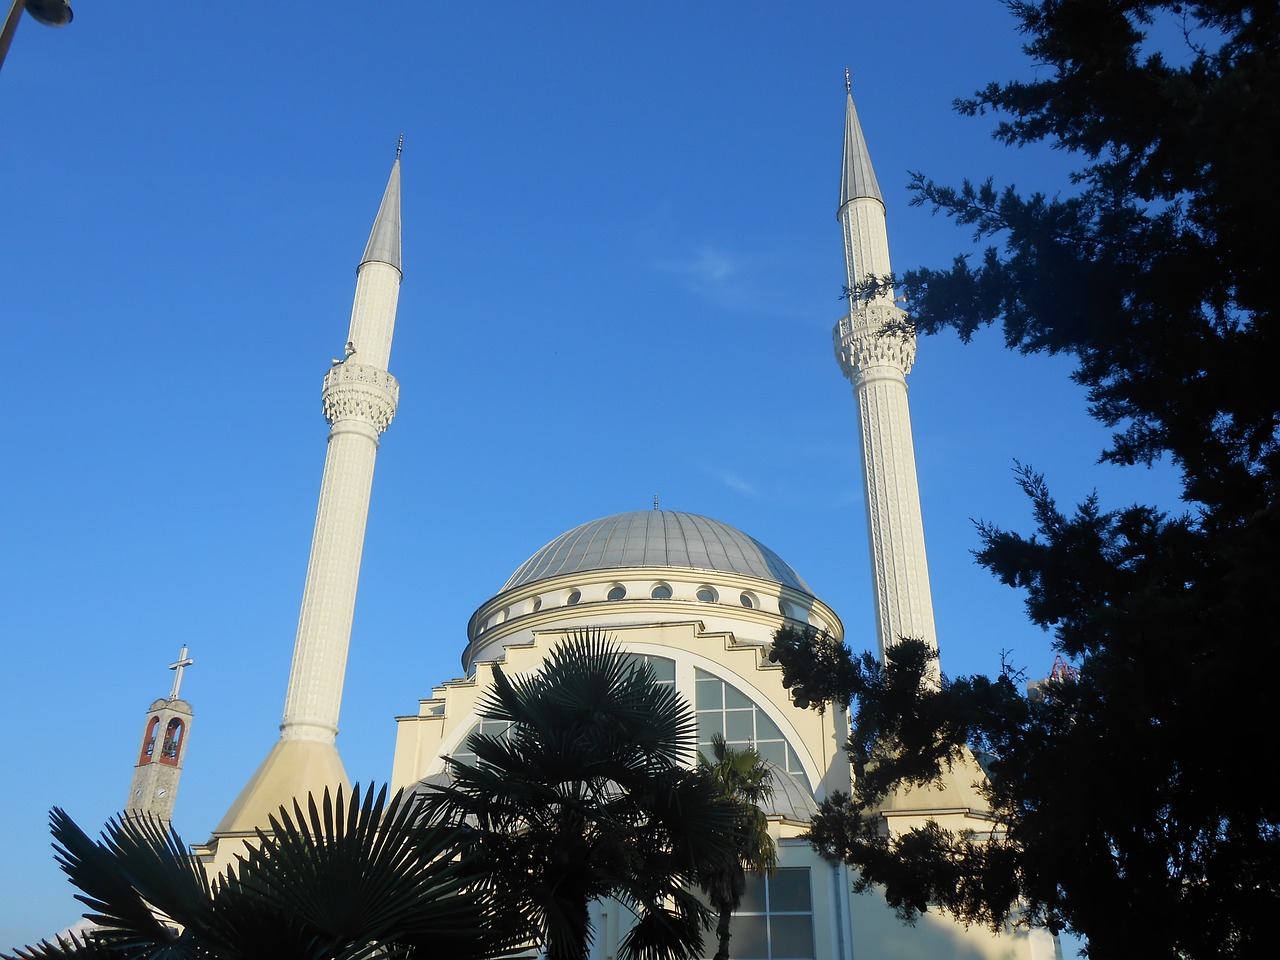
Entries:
{"x":628,"y":596}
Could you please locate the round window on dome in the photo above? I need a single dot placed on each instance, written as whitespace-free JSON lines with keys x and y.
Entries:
{"x":661,"y":591}
{"x":536,"y":605}
{"x":747,"y":600}
{"x":616,"y":592}
{"x":707,"y":594}
{"x":784,"y":608}
{"x":574,"y":596}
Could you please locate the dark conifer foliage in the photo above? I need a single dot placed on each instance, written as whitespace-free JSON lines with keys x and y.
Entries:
{"x":1136,"y":803}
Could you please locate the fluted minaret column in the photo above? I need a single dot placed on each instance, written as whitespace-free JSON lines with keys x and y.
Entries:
{"x":875,"y":347}
{"x":359,"y":398}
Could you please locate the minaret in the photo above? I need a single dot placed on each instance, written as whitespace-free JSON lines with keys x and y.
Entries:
{"x":359,"y":399}
{"x":875,"y":346}
{"x":164,"y":747}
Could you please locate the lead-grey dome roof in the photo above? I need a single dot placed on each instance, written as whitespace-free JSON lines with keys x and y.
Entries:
{"x":656,"y":538}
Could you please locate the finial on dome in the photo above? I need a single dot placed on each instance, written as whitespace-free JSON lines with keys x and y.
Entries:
{"x":848,"y":83}
{"x":655,"y":501}
{"x":400,"y":144}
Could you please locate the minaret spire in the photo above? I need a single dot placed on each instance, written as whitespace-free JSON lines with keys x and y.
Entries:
{"x":866,"y":242}
{"x":384,"y":238}
{"x":876,"y":347}
{"x":359,"y":399}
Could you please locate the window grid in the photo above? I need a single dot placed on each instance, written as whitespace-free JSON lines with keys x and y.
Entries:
{"x":775,"y":918}
{"x":723,"y":708}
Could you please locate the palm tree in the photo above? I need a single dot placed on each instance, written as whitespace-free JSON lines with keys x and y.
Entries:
{"x":742,"y":777}
{"x":588,"y":795}
{"x":347,"y":880}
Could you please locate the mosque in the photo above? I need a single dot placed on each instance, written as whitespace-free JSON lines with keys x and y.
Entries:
{"x":697,"y":599}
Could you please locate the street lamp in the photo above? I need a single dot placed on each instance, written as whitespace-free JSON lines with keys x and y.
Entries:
{"x":53,"y":13}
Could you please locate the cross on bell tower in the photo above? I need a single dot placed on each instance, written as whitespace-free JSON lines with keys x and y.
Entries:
{"x":182,"y":663}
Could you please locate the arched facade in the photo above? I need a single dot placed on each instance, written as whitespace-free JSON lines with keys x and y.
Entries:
{"x":701,"y":602}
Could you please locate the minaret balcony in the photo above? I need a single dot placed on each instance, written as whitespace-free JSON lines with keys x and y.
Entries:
{"x":874,"y":334}
{"x":361,"y":392}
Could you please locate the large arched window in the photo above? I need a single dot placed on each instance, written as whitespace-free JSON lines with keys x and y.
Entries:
{"x":664,"y":670}
{"x":724,"y":709}
{"x":720,"y":707}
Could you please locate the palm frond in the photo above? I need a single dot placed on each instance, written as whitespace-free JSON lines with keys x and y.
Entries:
{"x":586,"y":796}
{"x":362,"y":870}
{"x":71,"y":947}
{"x":138,"y":863}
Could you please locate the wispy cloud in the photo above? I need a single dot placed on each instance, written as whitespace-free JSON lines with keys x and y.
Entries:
{"x":710,"y":272}
{"x":736,"y":483}
{"x":730,"y":278}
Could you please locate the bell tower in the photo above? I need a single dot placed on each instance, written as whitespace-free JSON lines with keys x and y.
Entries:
{"x":164,"y":747}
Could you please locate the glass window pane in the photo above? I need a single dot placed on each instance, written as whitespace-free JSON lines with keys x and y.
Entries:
{"x":747,"y":939}
{"x":766,"y":729}
{"x":789,"y":891}
{"x":709,"y":695}
{"x":793,"y":762}
{"x":709,"y":724}
{"x":774,"y":752}
{"x":663,"y":668}
{"x":752,"y":896}
{"x":739,"y":726}
{"x":792,"y":937}
{"x":733,"y":697}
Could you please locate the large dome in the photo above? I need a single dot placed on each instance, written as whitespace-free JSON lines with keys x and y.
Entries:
{"x":656,"y":538}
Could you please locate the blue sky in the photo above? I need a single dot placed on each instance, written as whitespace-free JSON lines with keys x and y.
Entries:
{"x":622,"y":266}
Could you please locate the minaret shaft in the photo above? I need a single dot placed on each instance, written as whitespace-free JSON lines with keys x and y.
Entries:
{"x":359,"y":402}
{"x":373,"y":314}
{"x":359,"y":398}
{"x":876,"y":347}
{"x":866,"y":243}
{"x":329,"y":597}
{"x":904,"y":604}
